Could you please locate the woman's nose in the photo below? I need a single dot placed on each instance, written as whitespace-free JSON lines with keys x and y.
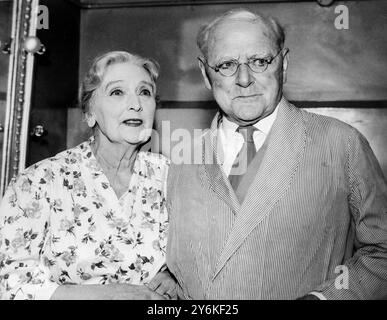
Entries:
{"x":244,"y":77}
{"x":134,"y":104}
{"x":136,"y":107}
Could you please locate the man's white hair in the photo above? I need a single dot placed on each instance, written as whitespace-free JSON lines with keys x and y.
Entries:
{"x":241,"y":14}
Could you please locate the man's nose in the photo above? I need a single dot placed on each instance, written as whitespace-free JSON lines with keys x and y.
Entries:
{"x":244,"y":77}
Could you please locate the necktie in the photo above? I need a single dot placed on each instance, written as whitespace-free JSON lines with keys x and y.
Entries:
{"x":244,"y":157}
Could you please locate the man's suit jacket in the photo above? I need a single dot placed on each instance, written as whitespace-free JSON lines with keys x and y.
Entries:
{"x":318,"y":201}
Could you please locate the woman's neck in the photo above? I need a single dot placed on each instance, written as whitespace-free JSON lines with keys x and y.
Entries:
{"x":116,"y":160}
{"x":114,"y":156}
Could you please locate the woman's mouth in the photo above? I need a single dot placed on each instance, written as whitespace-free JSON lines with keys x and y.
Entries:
{"x":133,"y":122}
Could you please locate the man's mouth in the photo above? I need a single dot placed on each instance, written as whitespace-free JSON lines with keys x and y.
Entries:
{"x":248,"y":96}
{"x":133,"y":122}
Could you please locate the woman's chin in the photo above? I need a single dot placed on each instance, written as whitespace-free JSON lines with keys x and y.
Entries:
{"x":136,"y":135}
{"x":136,"y":140}
{"x":145,"y":134}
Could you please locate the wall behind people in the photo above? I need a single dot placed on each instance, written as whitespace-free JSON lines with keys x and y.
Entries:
{"x":55,"y":83}
{"x":343,"y":72}
{"x":327,"y":64}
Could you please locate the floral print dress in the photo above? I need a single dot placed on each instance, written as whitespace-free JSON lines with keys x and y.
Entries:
{"x":62,"y":223}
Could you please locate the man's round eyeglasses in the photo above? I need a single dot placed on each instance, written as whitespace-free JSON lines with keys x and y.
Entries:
{"x":230,"y":67}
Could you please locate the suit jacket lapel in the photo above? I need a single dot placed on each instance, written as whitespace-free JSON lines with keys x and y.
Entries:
{"x":279,"y":165}
{"x":210,"y":171}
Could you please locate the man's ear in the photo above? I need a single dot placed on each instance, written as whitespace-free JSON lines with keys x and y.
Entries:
{"x":205,"y":75}
{"x":285,"y":64}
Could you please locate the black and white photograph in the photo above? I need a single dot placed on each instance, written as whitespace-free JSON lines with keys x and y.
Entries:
{"x":215,"y":151}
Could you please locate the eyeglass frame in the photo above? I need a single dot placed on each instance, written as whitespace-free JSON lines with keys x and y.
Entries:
{"x":268,"y":62}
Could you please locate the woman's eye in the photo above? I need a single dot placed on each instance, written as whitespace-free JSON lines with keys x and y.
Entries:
{"x":145,"y":92}
{"x":116,"y":92}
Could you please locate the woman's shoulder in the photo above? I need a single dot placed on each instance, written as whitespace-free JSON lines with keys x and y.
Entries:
{"x":38,"y":178}
{"x":64,"y":158}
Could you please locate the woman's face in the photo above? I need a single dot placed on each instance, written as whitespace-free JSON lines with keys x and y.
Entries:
{"x":124,"y":104}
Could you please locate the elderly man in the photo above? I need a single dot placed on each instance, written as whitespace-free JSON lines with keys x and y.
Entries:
{"x":296,"y":204}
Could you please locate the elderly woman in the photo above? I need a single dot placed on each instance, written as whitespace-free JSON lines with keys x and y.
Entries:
{"x":90,"y":223}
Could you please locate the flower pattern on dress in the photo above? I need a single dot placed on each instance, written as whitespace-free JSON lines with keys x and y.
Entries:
{"x":62,"y":223}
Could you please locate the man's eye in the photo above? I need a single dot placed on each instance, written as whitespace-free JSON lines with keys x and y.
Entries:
{"x":145,"y":92}
{"x":226,"y":65}
{"x":116,"y":92}
{"x":259,"y":62}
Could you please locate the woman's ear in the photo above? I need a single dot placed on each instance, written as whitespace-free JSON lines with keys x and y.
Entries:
{"x":90,"y":119}
{"x":206,"y":77}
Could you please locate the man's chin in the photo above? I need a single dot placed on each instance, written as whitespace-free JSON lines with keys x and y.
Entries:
{"x":248,"y":112}
{"x":245,"y":122}
{"x":248,"y":119}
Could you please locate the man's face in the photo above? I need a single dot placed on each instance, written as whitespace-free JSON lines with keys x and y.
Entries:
{"x":245,"y":97}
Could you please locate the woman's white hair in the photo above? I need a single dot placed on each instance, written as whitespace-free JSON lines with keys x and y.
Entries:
{"x":94,"y":76}
{"x":241,"y":14}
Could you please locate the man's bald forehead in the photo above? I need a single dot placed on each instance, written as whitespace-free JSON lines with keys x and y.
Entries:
{"x":269,"y":27}
{"x":221,"y":29}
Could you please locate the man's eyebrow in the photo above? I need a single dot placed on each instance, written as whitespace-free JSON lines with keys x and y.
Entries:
{"x":225,"y":59}
{"x":262,"y":55}
{"x":111,"y":83}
